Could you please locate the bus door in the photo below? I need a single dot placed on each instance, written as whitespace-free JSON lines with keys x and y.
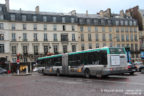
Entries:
{"x":65,"y":64}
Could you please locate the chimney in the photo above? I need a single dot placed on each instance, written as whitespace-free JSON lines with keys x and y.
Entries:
{"x":122,"y":13}
{"x":86,"y":12}
{"x":37,"y":10}
{"x":7,"y":4}
{"x":108,"y":12}
{"x":73,"y":12}
{"x":101,"y":13}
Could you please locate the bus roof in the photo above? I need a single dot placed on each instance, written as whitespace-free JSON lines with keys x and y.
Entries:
{"x":78,"y":52}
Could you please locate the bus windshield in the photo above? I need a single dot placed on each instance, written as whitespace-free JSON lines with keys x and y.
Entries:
{"x":117,"y":51}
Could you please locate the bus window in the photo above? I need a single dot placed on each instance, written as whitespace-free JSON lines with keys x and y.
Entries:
{"x":117,"y":51}
{"x":58,"y":61}
{"x":74,"y":60}
{"x":103,"y":57}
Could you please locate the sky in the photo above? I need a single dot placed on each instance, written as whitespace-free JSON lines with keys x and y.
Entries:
{"x":65,"y":6}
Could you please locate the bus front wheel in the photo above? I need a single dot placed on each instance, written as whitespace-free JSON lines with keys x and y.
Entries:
{"x":87,"y":73}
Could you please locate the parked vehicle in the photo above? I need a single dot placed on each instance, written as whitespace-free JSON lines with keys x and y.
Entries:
{"x":2,"y":70}
{"x":138,"y":64}
{"x":131,"y":68}
{"x":141,"y":69}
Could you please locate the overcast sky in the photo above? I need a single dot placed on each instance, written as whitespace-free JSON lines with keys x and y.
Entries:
{"x":93,"y":6}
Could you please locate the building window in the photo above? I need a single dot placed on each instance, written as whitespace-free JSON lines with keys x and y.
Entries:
{"x":55,"y":49}
{"x":54,"y":19}
{"x":95,"y":22}
{"x":45,"y":37}
{"x":23,"y":17}
{"x":104,"y":44}
{"x":117,"y":29}
{"x":82,"y":37}
{"x":103,"y":37}
{"x":13,"y":27}
{"x":1,"y":26}
{"x":13,"y":37}
{"x":110,"y":29}
{"x":35,"y":27}
{"x":13,"y":49}
{"x":131,"y":29}
{"x":73,"y":48}
{"x":12,"y":16}
{"x":45,"y":27}
{"x":81,"y":28}
{"x":24,"y":26}
{"x":35,"y":37}
{"x":136,"y":37}
{"x":82,"y":47}
{"x":103,"y":29}
{"x":73,"y":28}
{"x":64,"y":48}
{"x":55,"y":37}
{"x":126,"y":29}
{"x":117,"y":37}
{"x":135,"y":29}
{"x":34,"y":18}
{"x":24,"y":36}
{"x":25,"y":59}
{"x":45,"y":50}
{"x":63,"y":19}
{"x":110,"y":37}
{"x":14,"y":60}
{"x":25,"y":50}
{"x":131,"y":37}
{"x":132,"y":47}
{"x":89,"y":37}
{"x":96,"y":29}
{"x":97,"y":37}
{"x":73,"y":37}
{"x":89,"y":29}
{"x":122,"y":37}
{"x":54,"y":27}
{"x":111,"y":44}
{"x":1,"y":48}
{"x":35,"y":50}
{"x":64,"y":37}
{"x":136,"y":47}
{"x":72,"y":20}
{"x":127,"y":37}
{"x":64,"y":27}
{"x":97,"y":45}
{"x":90,"y":46}
{"x":44,"y":18}
{"x":1,"y":17}
{"x":118,"y":45}
{"x":1,"y":36}
{"x":122,"y":29}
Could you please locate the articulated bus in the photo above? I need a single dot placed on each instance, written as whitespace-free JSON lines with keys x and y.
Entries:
{"x":93,"y":62}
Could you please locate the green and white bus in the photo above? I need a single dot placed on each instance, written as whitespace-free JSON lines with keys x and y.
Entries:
{"x":94,"y":62}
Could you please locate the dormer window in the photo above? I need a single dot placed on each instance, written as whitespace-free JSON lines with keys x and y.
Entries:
{"x":34,"y":18}
{"x":0,"y":8}
{"x":63,"y":19}
{"x":23,"y":17}
{"x":117,"y":23}
{"x":54,"y":19}
{"x":44,"y":18}
{"x":130,"y":22}
{"x":72,"y":20}
{"x":126,"y":22}
{"x":1,"y":17}
{"x":121,"y":22}
{"x":12,"y":16}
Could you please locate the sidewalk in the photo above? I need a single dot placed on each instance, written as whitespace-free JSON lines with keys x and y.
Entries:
{"x":21,"y":74}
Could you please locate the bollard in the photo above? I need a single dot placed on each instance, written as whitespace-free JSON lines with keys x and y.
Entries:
{"x":17,"y":71}
{"x":27,"y":70}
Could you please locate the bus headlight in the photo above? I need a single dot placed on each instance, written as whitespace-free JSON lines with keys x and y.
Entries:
{"x":50,"y":70}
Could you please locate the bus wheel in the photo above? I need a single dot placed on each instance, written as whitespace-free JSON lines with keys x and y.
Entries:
{"x":131,"y":73}
{"x":57,"y":72}
{"x":87,"y":73}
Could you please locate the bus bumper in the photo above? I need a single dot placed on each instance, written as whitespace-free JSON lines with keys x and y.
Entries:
{"x":114,"y":72}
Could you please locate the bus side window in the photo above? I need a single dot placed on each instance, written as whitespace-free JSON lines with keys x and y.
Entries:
{"x":103,"y":59}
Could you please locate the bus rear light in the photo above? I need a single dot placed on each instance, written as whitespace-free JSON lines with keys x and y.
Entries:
{"x":129,"y":67}
{"x":111,"y":69}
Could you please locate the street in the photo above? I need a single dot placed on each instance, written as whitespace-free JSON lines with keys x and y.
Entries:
{"x":39,"y":85}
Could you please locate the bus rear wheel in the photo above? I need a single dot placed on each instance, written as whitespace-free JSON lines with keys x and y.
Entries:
{"x":57,"y":72}
{"x":87,"y":73}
